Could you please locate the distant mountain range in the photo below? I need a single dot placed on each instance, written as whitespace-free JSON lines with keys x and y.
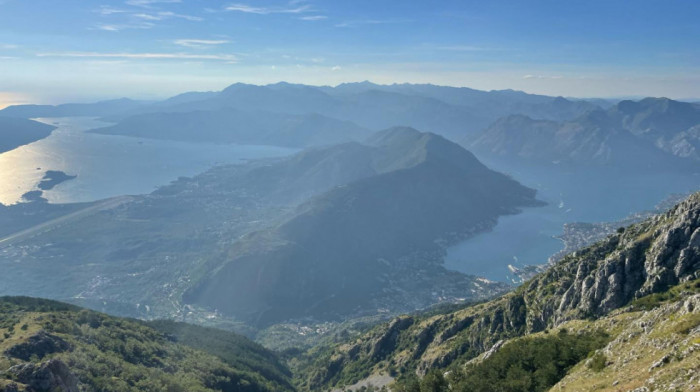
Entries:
{"x":654,"y":132}
{"x":98,"y":109}
{"x":449,"y":111}
{"x":15,"y":132}
{"x":505,"y":123}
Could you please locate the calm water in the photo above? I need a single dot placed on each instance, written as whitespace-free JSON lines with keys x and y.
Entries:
{"x":110,"y":165}
{"x":527,"y":238}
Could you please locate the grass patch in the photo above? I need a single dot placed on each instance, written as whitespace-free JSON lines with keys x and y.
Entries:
{"x":652,"y":301}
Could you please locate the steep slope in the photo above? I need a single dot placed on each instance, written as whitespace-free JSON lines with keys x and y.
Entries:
{"x":629,"y":350}
{"x":655,"y":349}
{"x":591,"y":140}
{"x":654,"y":132}
{"x":235,"y":126}
{"x":371,"y":243}
{"x":15,"y":132}
{"x":637,"y":263}
{"x":50,"y":346}
{"x":672,"y":126}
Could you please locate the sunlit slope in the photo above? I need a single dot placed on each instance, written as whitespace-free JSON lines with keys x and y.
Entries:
{"x":48,"y":346}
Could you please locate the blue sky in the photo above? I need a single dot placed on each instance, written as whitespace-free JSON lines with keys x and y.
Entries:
{"x":68,"y":50}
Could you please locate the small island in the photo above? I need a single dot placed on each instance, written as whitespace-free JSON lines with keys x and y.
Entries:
{"x":52,"y":178}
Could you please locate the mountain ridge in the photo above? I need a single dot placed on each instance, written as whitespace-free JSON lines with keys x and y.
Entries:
{"x":629,"y":134}
{"x":349,"y":226}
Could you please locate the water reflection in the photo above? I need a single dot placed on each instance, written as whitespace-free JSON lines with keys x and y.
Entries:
{"x":108,"y":165}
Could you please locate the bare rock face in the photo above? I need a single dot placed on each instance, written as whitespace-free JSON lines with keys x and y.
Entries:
{"x":50,"y":376}
{"x":40,"y":345}
{"x":652,"y":257}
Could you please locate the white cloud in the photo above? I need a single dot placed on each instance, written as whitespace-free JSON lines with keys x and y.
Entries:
{"x":166,"y":15}
{"x":463,"y":48}
{"x":336,"y":68}
{"x":313,"y":17}
{"x":362,"y":22}
{"x":148,"y":56}
{"x":150,"y":3}
{"x":106,"y":10}
{"x":8,"y":46}
{"x":181,"y":16}
{"x":249,"y":9}
{"x":143,"y":19}
{"x":148,"y":16}
{"x":199,"y":43}
{"x":120,"y":27}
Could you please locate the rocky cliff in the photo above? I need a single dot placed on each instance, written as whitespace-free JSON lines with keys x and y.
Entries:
{"x":634,"y":263}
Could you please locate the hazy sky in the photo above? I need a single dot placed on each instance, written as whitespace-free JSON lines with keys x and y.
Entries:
{"x":68,"y":50}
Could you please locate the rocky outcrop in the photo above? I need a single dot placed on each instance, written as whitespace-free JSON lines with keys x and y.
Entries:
{"x":50,"y":376}
{"x":644,"y":259}
{"x":39,"y":345}
{"x":386,"y":343}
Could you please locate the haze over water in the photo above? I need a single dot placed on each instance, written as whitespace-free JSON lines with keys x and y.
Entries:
{"x":109,"y":166}
{"x":528,"y":238}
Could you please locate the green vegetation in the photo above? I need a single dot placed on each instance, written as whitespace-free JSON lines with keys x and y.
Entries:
{"x":237,"y":351}
{"x":115,"y":354}
{"x":687,"y":323}
{"x":652,"y":301}
{"x":530,"y":364}
{"x":598,"y":362}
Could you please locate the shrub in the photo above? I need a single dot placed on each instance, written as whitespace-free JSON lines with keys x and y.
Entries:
{"x":598,"y":362}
